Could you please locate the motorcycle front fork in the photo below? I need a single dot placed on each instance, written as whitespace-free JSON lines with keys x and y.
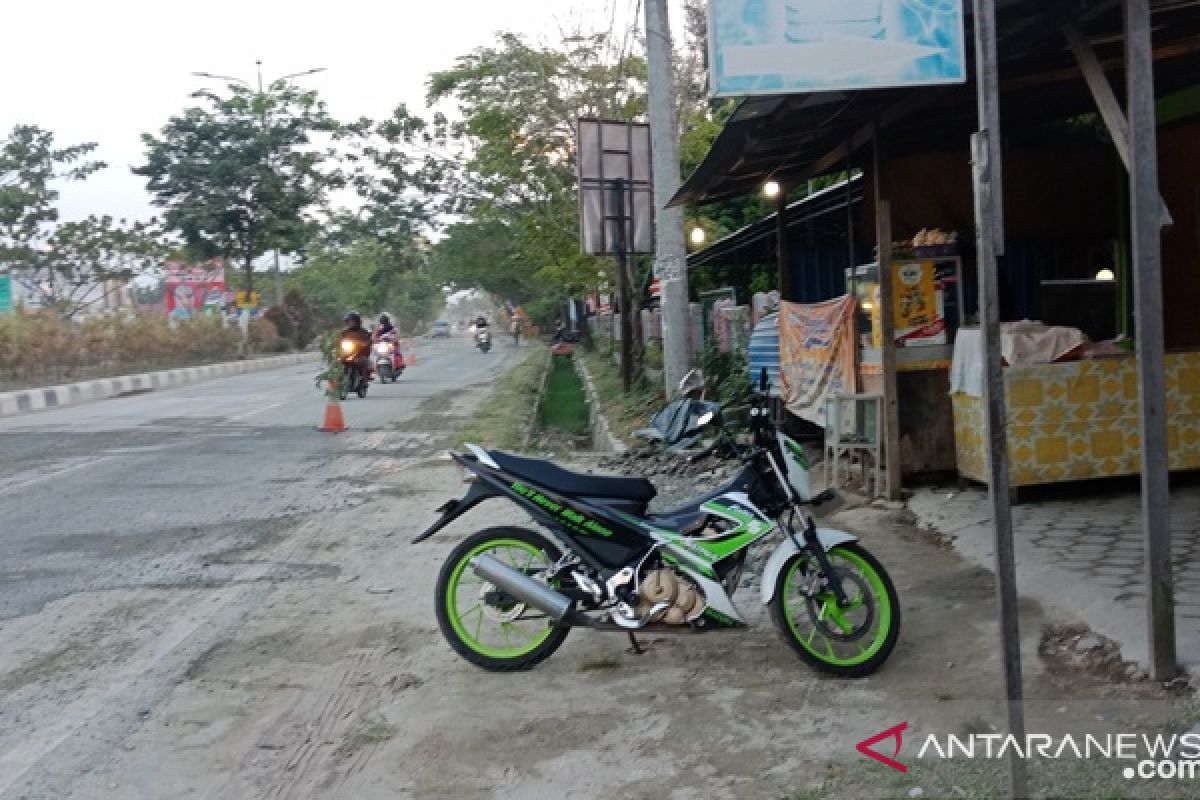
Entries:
{"x":813,"y":543}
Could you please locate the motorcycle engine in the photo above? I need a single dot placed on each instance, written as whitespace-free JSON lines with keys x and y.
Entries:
{"x":665,"y":585}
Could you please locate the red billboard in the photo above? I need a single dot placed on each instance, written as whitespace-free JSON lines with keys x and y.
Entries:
{"x":192,"y":289}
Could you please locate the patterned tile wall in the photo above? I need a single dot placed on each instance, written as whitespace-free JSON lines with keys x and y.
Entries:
{"x":1080,"y":420}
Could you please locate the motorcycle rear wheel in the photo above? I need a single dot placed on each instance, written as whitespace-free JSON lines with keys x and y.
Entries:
{"x":850,"y":642}
{"x":481,"y":624}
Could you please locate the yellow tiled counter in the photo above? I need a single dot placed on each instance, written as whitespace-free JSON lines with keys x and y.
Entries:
{"x":1079,"y":420}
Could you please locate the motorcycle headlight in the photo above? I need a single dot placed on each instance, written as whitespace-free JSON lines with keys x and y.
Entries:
{"x":347,"y":346}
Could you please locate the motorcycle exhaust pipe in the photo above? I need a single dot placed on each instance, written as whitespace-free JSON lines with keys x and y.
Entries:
{"x":521,"y":587}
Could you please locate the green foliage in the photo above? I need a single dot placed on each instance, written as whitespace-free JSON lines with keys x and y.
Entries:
{"x":726,"y":375}
{"x":653,"y":354}
{"x":333,"y":372}
{"x":515,"y":181}
{"x":625,"y":412}
{"x":84,"y":262}
{"x":243,"y":172}
{"x":504,"y":419}
{"x":337,"y":279}
{"x":66,"y":267}
{"x":369,"y":276}
{"x":564,"y":404}
{"x":30,"y":168}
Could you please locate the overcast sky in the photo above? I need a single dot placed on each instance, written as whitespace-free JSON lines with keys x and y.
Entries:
{"x":106,"y":71}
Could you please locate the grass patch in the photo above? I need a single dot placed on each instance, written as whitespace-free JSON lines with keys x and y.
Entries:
{"x":503,"y":420}
{"x":626,"y":413}
{"x":600,"y":663}
{"x":564,"y":405}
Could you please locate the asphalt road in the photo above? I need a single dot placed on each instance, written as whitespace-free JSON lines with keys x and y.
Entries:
{"x":169,"y":492}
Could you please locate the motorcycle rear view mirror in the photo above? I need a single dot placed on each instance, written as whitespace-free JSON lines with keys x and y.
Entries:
{"x":692,"y":383}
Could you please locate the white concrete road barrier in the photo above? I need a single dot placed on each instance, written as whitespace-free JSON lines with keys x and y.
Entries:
{"x":73,"y":394}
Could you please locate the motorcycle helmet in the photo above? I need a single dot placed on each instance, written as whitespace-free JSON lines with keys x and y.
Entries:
{"x":353,"y":319}
{"x":384,"y":319}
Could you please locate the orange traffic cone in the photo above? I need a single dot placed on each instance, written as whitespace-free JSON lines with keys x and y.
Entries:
{"x":334,"y":422}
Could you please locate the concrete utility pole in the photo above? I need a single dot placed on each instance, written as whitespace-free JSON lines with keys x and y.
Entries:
{"x":670,"y":257}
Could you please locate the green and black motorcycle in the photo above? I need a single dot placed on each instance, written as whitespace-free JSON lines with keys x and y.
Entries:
{"x":508,"y":596}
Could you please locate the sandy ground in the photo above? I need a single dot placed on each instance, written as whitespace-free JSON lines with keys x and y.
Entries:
{"x":336,"y":682}
{"x":342,"y":687}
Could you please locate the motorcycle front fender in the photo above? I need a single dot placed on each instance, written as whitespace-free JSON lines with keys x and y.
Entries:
{"x":829,"y":538}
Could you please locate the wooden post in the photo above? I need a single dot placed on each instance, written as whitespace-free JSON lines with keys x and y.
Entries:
{"x":622,"y":248}
{"x":997,"y":439}
{"x":1105,"y":99}
{"x":987,"y":168}
{"x":1146,"y":224}
{"x":887,"y":331}
{"x":782,"y":251}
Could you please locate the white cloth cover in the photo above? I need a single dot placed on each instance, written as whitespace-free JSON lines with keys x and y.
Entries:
{"x":1021,"y":343}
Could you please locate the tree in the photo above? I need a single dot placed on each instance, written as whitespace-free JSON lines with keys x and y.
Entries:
{"x":337,"y":279}
{"x":81,"y":264}
{"x":245,"y":172}
{"x":29,"y":166}
{"x":514,"y":183}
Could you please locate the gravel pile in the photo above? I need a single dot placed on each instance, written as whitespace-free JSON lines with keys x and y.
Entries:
{"x":677,"y":479}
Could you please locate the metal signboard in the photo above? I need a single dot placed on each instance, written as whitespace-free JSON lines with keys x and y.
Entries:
{"x":782,"y":46}
{"x":615,"y":154}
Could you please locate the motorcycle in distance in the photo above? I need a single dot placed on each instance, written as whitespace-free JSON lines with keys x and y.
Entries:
{"x":483,"y":340}
{"x":352,"y":355}
{"x":386,"y":358}
{"x":507,"y":597}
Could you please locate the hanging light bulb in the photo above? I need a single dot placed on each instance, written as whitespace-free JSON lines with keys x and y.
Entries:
{"x":698,"y":235}
{"x":771,"y":188}
{"x":1105,"y":275}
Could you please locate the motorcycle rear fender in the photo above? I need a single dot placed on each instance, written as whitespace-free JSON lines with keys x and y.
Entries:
{"x":829,"y":538}
{"x":481,"y":489}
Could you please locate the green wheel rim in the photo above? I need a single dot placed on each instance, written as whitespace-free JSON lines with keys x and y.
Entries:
{"x":875,"y":609}
{"x":469,"y":615}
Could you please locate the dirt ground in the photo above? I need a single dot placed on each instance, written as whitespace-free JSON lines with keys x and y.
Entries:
{"x":341,"y":685}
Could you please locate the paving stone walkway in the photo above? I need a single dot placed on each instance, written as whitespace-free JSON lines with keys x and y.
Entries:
{"x":1084,"y":553}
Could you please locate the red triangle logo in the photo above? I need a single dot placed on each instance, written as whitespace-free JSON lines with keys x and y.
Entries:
{"x":894,"y":732}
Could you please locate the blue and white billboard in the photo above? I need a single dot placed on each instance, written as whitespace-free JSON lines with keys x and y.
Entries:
{"x":781,"y":46}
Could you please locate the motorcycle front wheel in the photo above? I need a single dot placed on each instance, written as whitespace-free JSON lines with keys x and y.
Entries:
{"x":850,"y":642}
{"x":483,"y":624}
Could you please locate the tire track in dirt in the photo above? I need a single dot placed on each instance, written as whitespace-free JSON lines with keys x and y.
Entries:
{"x":334,"y":732}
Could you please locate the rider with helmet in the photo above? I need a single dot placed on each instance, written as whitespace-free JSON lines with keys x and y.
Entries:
{"x":355,"y":332}
{"x":385,"y":326}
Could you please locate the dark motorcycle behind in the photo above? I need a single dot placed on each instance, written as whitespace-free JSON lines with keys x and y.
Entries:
{"x":353,"y":357}
{"x":483,"y":340}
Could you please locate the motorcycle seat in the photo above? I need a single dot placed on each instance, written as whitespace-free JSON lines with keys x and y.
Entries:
{"x":576,"y":484}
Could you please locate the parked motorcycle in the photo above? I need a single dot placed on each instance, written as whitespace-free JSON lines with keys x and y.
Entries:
{"x":353,"y":356}
{"x":507,"y":596}
{"x":483,"y":340}
{"x":386,"y":358}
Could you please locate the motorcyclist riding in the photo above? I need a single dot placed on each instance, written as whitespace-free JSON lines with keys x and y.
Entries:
{"x":355,"y":332}
{"x":385,"y":326}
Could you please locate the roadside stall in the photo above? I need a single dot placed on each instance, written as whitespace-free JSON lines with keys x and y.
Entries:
{"x":1072,"y":409}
